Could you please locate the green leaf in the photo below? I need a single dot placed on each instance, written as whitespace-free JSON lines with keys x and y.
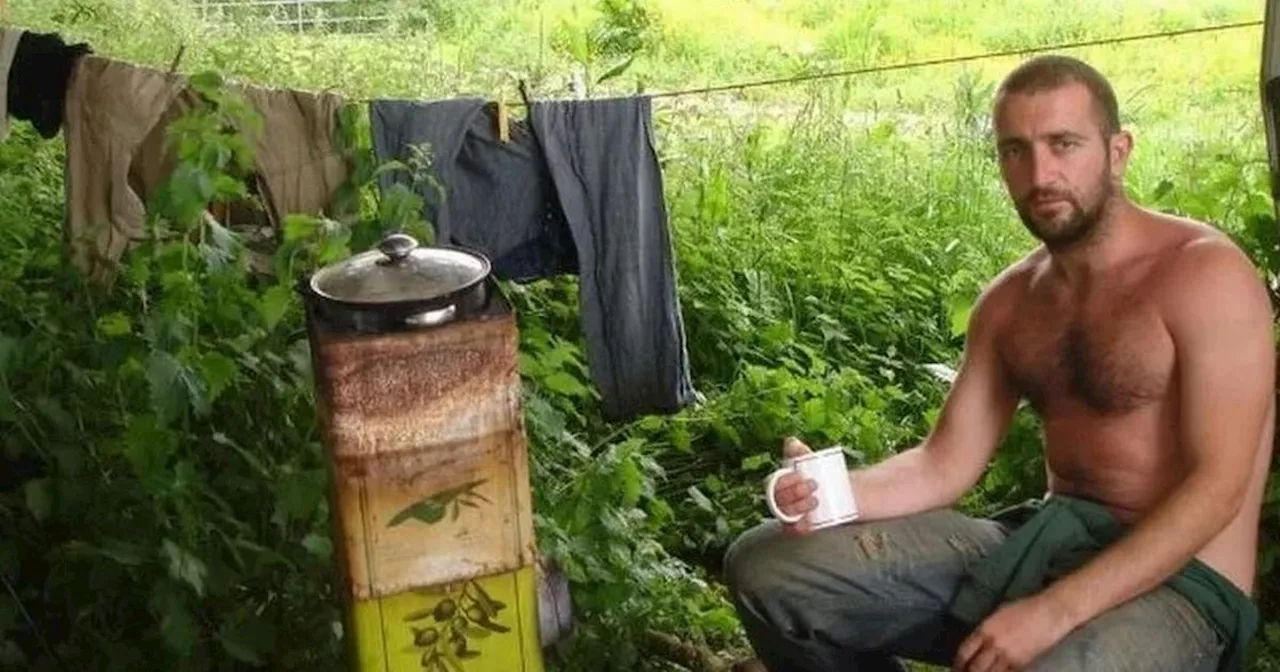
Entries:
{"x":617,"y":70}
{"x":958,"y":310}
{"x":681,"y":439}
{"x":275,"y":303}
{"x":223,"y":243}
{"x":301,"y":492}
{"x":389,"y":166}
{"x":173,"y":387}
{"x":778,"y":333}
{"x":757,"y":461}
{"x":8,"y":346}
{"x":56,"y":415}
{"x":333,"y":248}
{"x":528,"y":365}
{"x":399,"y":208}
{"x":217,"y":370}
{"x":814,"y":414}
{"x":185,"y":567}
{"x":8,"y":407}
{"x":701,"y":500}
{"x":39,"y":498}
{"x":123,"y":552}
{"x":69,"y":460}
{"x":727,"y":431}
{"x":207,"y":82}
{"x":631,"y":482}
{"x":247,"y":640}
{"x":429,"y":512}
{"x":299,"y":355}
{"x":226,"y":187}
{"x":147,"y":446}
{"x":114,"y":324}
{"x":177,"y":625}
{"x":300,"y":227}
{"x":317,"y":545}
{"x":562,"y":382}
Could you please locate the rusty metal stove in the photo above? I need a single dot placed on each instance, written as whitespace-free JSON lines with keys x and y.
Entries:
{"x":420,"y":403}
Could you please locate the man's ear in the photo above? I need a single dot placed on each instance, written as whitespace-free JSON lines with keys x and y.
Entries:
{"x":1120,"y":146}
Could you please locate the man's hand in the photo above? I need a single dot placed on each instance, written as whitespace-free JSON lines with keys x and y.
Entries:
{"x":1014,"y":636}
{"x":794,"y":493}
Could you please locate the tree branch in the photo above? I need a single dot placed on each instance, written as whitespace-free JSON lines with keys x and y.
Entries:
{"x":689,"y":656}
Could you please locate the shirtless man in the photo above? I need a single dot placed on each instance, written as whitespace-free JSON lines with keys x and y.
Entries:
{"x":1143,"y":342}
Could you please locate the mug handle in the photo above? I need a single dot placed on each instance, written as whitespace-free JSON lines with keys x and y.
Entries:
{"x":769,"y":485}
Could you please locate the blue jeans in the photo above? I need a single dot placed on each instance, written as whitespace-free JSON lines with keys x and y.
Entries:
{"x":860,"y":596}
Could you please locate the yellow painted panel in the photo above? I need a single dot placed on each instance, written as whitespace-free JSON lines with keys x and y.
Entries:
{"x":488,"y":624}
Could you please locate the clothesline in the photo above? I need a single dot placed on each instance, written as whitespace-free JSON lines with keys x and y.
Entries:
{"x":909,"y":65}
{"x":956,"y":59}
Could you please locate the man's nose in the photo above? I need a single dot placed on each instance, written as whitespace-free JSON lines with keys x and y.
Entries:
{"x":1044,"y":168}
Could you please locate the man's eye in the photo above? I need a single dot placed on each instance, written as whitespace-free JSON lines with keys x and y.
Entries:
{"x":1064,"y":144}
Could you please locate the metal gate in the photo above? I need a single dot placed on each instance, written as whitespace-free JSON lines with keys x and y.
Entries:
{"x":338,"y":16}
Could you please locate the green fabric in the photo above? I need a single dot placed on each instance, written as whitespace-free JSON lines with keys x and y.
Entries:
{"x":1063,"y":535}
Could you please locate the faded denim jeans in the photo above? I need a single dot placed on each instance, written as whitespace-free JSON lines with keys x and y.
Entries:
{"x":861,"y":596}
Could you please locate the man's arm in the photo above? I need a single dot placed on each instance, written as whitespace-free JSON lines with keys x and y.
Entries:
{"x":1220,"y":321}
{"x":973,"y":418}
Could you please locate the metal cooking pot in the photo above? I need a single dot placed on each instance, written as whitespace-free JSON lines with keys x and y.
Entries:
{"x":397,"y":286}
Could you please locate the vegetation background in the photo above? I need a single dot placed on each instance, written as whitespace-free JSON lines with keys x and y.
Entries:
{"x":163,"y":502}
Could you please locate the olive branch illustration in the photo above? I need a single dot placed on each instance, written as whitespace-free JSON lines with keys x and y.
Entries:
{"x":432,"y":509}
{"x":456,"y":623}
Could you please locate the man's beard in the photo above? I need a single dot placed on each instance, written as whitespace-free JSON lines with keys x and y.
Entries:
{"x":1065,"y":231}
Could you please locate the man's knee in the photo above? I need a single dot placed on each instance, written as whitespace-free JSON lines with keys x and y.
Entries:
{"x":766,"y":562}
{"x":755,"y":560}
{"x":863,"y":586}
{"x":858,"y":558}
{"x":1158,"y":631}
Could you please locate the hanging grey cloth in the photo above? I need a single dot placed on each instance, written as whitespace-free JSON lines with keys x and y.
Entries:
{"x":576,"y":190}
{"x":497,"y":196}
{"x":605,"y":170}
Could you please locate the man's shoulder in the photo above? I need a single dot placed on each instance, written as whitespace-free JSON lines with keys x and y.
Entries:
{"x":1017,"y":277}
{"x":1204,"y":271}
{"x":1001,"y":295}
{"x":1199,"y":255}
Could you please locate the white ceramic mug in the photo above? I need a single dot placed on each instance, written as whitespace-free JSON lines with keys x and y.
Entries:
{"x":834,"y":494}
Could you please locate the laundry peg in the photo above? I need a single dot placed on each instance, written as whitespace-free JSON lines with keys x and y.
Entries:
{"x":504,"y":130}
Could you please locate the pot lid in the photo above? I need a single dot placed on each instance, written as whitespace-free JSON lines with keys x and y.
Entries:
{"x":400,"y":270}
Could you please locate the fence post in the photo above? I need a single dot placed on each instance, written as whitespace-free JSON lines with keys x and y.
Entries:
{"x":278,"y":10}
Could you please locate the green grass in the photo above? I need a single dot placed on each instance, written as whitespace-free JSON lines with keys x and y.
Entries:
{"x":830,"y":236}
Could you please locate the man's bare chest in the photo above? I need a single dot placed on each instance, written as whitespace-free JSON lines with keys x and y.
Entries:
{"x":1111,"y":356}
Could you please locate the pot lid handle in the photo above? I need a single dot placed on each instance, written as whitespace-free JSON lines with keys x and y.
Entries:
{"x":397,"y":246}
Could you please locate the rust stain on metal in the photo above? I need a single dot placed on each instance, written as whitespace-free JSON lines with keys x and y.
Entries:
{"x":411,"y":467}
{"x":388,"y":393}
{"x":382,"y":375}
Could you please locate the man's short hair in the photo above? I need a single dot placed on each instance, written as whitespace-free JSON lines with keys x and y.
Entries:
{"x":1045,"y":73}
